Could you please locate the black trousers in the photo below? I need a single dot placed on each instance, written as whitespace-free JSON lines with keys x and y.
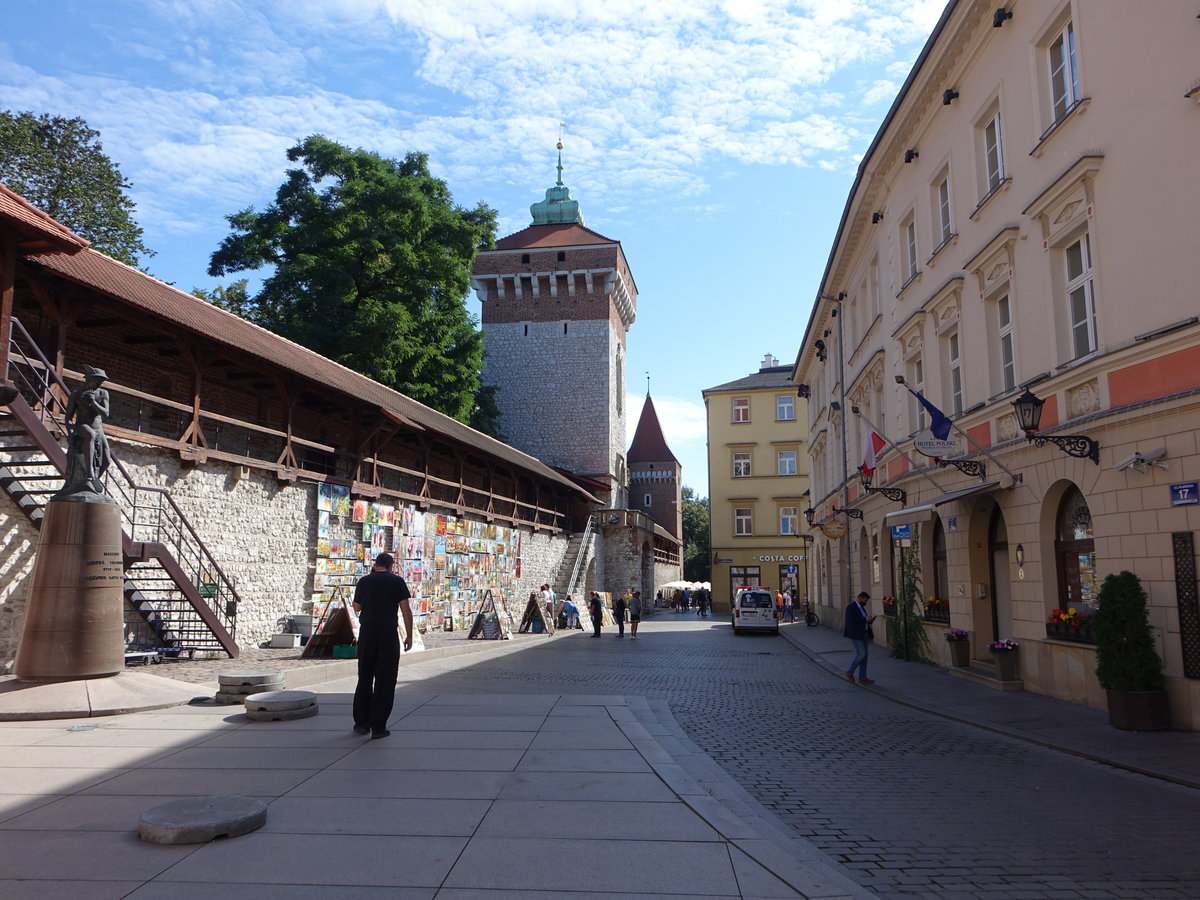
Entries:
{"x":596,"y":625}
{"x":378,"y":662}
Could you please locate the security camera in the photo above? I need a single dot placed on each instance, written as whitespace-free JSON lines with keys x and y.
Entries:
{"x":1141,"y":462}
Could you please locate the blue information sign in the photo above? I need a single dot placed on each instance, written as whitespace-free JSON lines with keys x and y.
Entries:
{"x":1186,"y":493}
{"x":901,"y":532}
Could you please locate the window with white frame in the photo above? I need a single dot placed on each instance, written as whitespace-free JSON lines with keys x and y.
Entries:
{"x":1064,"y":72}
{"x":741,"y":464}
{"x":954,"y":371}
{"x":743,"y":521}
{"x":1081,"y":308}
{"x":875,"y":572}
{"x":992,"y":148}
{"x":916,"y":380}
{"x":787,"y":520}
{"x":908,"y":239}
{"x":1005,"y":341}
{"x":941,"y":199}
{"x":785,"y":408}
{"x":786,"y":462}
{"x":741,"y":409}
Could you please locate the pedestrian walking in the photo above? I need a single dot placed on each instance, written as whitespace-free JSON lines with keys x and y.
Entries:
{"x":685,"y":601}
{"x":858,"y":629}
{"x":635,"y":614}
{"x":571,"y":612}
{"x":596,"y":611}
{"x":619,"y":607}
{"x":704,"y":601}
{"x":380,"y":597}
{"x":789,"y":606}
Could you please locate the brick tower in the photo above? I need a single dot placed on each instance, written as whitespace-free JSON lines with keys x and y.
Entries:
{"x":558,"y":299}
{"x":655,"y":485}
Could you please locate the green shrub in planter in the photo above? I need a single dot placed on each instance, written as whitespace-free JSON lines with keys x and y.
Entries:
{"x":1125,"y":656}
{"x":1127,"y":665}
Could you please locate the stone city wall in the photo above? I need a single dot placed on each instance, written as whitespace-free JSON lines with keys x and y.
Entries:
{"x":262,"y":533}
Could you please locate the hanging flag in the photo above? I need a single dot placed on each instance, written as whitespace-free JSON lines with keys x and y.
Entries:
{"x":873,"y":445}
{"x":939,"y":422}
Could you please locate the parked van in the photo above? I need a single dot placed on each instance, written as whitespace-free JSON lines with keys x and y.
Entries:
{"x":754,"y":609}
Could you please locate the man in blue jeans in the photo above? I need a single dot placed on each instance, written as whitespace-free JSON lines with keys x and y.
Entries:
{"x":858,"y":629}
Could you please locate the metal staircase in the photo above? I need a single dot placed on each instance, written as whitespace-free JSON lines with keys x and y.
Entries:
{"x":184,"y":602}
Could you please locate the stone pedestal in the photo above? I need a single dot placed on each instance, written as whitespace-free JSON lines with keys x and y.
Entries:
{"x":74,"y":623}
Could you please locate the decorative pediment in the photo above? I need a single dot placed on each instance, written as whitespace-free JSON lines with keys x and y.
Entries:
{"x":1067,"y":200}
{"x":993,"y":263}
{"x":945,"y":304}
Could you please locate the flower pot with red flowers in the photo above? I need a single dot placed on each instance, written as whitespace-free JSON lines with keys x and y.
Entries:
{"x":1069,"y":625}
{"x":1004,"y":654}
{"x":937,"y":610}
{"x":959,"y":642}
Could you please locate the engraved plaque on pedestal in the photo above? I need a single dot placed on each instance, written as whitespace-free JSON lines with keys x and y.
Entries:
{"x":74,"y":622}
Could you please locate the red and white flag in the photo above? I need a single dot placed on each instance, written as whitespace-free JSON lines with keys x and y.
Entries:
{"x":872,"y":445}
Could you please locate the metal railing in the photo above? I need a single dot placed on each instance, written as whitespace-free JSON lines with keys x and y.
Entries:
{"x":151,"y":519}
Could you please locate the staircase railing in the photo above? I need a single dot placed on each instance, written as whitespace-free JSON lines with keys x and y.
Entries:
{"x":155,"y":528}
{"x":584,"y":544}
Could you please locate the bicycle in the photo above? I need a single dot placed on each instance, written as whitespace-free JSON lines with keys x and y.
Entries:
{"x":811,"y":619}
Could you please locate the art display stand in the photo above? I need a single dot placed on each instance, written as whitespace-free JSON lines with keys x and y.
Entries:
{"x":535,"y":613}
{"x":492,"y":622}
{"x":338,"y":627}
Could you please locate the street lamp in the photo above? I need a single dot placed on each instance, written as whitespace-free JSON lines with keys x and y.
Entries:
{"x":1029,"y":416}
{"x":809,"y":515}
{"x":894,"y":494}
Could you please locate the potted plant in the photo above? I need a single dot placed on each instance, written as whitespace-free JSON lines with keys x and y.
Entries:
{"x":1127,"y":665}
{"x":1069,"y":625}
{"x":959,"y":642}
{"x":889,"y":606}
{"x":937,"y":610}
{"x":1004,"y":654}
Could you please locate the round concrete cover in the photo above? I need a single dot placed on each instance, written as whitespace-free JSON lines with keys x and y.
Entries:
{"x":281,"y":715}
{"x":195,"y":820}
{"x":229,"y":698}
{"x":230,"y":678}
{"x":278,"y":700}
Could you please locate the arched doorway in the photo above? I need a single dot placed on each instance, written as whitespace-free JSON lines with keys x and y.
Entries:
{"x":1000,"y":589}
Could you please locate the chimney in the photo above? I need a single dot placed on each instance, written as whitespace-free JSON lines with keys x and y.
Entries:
{"x":769,"y":362}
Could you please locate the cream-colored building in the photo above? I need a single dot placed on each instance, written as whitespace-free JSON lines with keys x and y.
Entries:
{"x":1024,"y":219}
{"x":757,"y":484}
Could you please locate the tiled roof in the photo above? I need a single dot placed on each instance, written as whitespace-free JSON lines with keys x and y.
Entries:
{"x":127,"y":285}
{"x":568,"y":235}
{"x":649,"y":445}
{"x":774,"y":377}
{"x":37,"y":232}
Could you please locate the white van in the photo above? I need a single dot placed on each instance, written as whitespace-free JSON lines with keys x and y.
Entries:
{"x":754,"y":610}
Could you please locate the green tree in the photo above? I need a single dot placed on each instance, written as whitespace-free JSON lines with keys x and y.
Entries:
{"x":697,"y":544}
{"x":59,"y":166}
{"x":234,"y":298}
{"x":371,"y":263}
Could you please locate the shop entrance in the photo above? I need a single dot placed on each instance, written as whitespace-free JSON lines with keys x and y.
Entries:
{"x":743,"y":577}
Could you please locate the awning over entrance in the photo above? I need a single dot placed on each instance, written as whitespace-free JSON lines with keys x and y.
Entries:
{"x":923,"y":512}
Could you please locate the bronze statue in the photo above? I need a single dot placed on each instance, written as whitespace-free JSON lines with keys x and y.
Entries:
{"x":88,"y":456}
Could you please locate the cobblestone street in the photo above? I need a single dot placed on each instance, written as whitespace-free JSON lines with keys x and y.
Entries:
{"x":911,"y":804}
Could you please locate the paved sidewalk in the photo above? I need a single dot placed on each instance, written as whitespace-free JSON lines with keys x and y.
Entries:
{"x":520,"y":796}
{"x":1067,"y":727}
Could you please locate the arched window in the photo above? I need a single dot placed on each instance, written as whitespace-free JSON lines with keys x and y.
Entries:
{"x":1075,"y":554}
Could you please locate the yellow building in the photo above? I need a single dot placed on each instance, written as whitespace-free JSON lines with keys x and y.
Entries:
{"x":758,"y":483}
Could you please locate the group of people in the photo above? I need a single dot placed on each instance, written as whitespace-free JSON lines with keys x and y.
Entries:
{"x":630,"y":601}
{"x":702,"y":600}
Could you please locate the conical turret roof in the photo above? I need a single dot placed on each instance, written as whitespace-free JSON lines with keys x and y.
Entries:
{"x":649,"y":445}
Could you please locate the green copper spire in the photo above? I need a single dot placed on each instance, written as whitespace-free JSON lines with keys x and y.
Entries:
{"x":558,"y":208}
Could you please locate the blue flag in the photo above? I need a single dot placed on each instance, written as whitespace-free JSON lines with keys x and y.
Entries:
{"x":939,"y":422}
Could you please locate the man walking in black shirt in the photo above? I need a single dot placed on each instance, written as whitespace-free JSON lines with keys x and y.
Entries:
{"x":378,"y":597}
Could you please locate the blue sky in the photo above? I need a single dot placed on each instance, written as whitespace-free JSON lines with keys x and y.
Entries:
{"x":716,"y":140}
